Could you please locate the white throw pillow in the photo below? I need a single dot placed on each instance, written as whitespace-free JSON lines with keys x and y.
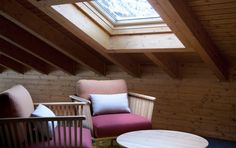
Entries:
{"x":109,"y":103}
{"x":43,"y":111}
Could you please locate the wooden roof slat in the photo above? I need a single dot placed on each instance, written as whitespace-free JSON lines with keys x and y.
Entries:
{"x":41,"y":29}
{"x":20,"y":55}
{"x":183,"y":23}
{"x":11,"y":64}
{"x":165,"y":62}
{"x":2,"y":69}
{"x":44,"y":3}
{"x":123,"y":62}
{"x":35,"y":46}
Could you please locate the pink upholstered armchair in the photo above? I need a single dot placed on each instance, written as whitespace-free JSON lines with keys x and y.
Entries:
{"x":124,"y":111}
{"x":23,"y":126}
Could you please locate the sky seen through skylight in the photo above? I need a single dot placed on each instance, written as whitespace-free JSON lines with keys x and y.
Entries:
{"x":122,"y":10}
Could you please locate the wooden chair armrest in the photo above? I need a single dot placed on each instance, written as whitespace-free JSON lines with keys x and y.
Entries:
{"x":60,"y":103}
{"x":79,"y":99}
{"x":141,"y":104}
{"x":65,"y":108}
{"x":141,"y":96}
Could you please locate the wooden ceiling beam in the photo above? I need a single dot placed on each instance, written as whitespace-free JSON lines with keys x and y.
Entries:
{"x":35,"y":46}
{"x":189,"y":30}
{"x":11,"y":64}
{"x":126,"y":64}
{"x":156,"y":50}
{"x":2,"y":69}
{"x":165,"y":62}
{"x":44,"y":3}
{"x":92,"y":35}
{"x":23,"y":57}
{"x":26,"y":19}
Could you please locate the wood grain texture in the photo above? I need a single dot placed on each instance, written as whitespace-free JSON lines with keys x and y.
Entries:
{"x":35,"y":46}
{"x":161,"y":138}
{"x":140,"y":105}
{"x":12,"y":64}
{"x":85,"y":29}
{"x":166,"y":63}
{"x":44,"y":3}
{"x":19,"y":15}
{"x":185,"y":25}
{"x":219,"y":19}
{"x":198,"y":103}
{"x":23,"y":57}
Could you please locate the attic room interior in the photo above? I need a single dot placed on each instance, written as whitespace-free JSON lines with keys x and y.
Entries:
{"x":164,"y":67}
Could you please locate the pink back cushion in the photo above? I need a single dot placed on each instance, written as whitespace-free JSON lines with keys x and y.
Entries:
{"x":16,"y":102}
{"x":86,"y":87}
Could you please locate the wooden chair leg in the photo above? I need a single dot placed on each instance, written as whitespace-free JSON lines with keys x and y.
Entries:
{"x":97,"y":143}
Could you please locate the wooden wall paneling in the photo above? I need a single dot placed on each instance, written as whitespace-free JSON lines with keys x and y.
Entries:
{"x":123,"y":62}
{"x":183,"y":22}
{"x":197,"y":103}
{"x":208,"y":2}
{"x":165,"y":62}
{"x":35,"y":46}
{"x":20,"y":55}
{"x":20,"y":15}
{"x":11,"y":64}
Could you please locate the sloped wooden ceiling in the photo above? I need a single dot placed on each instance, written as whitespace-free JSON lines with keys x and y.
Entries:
{"x":205,"y":27}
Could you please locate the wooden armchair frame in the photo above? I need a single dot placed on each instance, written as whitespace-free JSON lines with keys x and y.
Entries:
{"x":69,"y":115}
{"x":139,"y":104}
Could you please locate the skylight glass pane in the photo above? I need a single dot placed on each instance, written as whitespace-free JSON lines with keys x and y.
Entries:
{"x":121,"y":10}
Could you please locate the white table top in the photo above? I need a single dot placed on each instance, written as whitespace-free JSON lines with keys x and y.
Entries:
{"x":161,"y":139}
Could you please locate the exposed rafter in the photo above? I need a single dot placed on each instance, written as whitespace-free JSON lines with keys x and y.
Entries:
{"x":166,"y":63}
{"x":2,"y":69}
{"x":189,"y":30}
{"x":35,"y":46}
{"x":123,"y":62}
{"x":23,"y":57}
{"x":11,"y":64}
{"x":44,"y":3}
{"x":17,"y":13}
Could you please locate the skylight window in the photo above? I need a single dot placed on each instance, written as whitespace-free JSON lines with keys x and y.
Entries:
{"x":127,"y":10}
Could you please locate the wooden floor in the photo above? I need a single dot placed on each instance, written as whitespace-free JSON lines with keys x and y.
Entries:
{"x":107,"y":144}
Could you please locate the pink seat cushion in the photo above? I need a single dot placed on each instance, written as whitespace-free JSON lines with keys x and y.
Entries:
{"x":86,"y":138}
{"x":115,"y":124}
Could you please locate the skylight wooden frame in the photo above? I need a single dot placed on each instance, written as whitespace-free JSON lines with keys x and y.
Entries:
{"x":126,"y":27}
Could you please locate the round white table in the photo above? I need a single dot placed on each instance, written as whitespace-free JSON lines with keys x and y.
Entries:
{"x":161,"y":139}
